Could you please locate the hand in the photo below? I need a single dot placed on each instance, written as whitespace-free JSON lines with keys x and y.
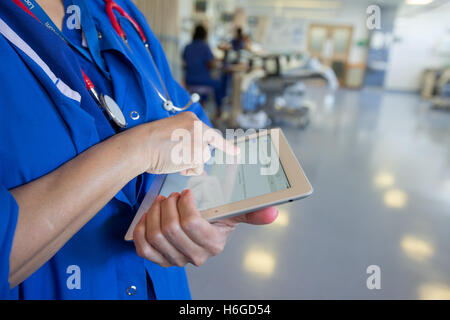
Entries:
{"x":181,"y":144}
{"x":173,"y":232}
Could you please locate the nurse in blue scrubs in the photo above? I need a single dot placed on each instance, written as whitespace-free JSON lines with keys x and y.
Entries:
{"x":238,"y":42}
{"x":198,"y":61}
{"x":71,"y":180}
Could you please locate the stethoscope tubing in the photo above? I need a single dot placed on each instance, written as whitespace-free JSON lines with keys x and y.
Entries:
{"x":111,"y":6}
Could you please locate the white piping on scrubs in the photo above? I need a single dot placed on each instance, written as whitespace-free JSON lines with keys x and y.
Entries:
{"x":15,"y":39}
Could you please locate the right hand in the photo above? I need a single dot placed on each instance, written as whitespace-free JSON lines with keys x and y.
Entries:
{"x":181,"y":144}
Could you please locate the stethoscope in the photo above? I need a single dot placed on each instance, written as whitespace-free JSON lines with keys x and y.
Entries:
{"x":105,"y":102}
{"x":110,"y":6}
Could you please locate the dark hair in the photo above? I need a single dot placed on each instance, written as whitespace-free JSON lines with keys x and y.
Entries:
{"x":200,"y":33}
{"x":239,"y":33}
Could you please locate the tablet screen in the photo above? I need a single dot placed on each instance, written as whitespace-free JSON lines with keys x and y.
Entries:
{"x":225,"y":180}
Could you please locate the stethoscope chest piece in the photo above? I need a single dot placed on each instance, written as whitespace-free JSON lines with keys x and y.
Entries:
{"x":113,"y":111}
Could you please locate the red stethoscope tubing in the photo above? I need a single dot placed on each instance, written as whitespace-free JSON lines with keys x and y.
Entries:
{"x":89,"y":85}
{"x":91,"y":88}
{"x":87,"y":81}
{"x":110,"y":107}
{"x":111,"y":5}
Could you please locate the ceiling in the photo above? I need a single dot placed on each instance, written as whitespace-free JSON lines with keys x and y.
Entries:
{"x":324,"y":4}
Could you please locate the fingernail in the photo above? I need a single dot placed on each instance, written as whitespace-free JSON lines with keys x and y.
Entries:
{"x":185,"y":192}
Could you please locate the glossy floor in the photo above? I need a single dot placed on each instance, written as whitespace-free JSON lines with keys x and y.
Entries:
{"x":380,"y":166}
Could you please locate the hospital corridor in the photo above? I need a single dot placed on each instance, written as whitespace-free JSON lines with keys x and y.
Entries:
{"x":375,"y":147}
{"x":231,"y":156}
{"x":381,"y":197}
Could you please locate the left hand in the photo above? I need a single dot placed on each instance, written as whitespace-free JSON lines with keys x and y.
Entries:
{"x":173,"y":232}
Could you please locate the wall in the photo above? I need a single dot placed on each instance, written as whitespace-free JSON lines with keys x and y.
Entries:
{"x":416,"y":48}
{"x":351,"y":13}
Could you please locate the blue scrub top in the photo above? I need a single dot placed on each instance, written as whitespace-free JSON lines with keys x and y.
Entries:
{"x":49,"y":118}
{"x":238,"y":44}
{"x":196,"y":56}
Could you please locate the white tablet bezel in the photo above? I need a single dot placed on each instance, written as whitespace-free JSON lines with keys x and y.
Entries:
{"x":299,"y":186}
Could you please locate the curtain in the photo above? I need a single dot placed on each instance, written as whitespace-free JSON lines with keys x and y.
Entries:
{"x":163,"y":17}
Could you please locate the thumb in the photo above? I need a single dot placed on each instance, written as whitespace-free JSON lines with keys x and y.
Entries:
{"x":260,"y":217}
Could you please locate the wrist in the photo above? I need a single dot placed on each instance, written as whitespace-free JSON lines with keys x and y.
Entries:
{"x":136,"y":153}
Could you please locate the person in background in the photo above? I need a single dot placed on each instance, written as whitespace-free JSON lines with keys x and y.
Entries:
{"x":199,"y":60}
{"x":238,"y":43}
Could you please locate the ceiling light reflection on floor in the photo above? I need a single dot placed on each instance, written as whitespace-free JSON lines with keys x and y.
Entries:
{"x":416,"y":248}
{"x":395,"y":198}
{"x":384,"y":180}
{"x":434,"y":291}
{"x":283,"y":218}
{"x":260,"y":262}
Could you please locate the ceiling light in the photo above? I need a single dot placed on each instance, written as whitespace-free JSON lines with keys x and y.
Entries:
{"x":418,"y":2}
{"x":299,"y":4}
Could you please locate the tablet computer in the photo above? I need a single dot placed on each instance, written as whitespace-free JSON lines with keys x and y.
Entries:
{"x":266,"y":173}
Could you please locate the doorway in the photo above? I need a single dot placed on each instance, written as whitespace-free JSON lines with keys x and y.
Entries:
{"x":331,"y":45}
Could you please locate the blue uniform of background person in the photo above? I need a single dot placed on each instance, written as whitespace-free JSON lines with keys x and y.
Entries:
{"x":42,"y":127}
{"x":197,"y":57}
